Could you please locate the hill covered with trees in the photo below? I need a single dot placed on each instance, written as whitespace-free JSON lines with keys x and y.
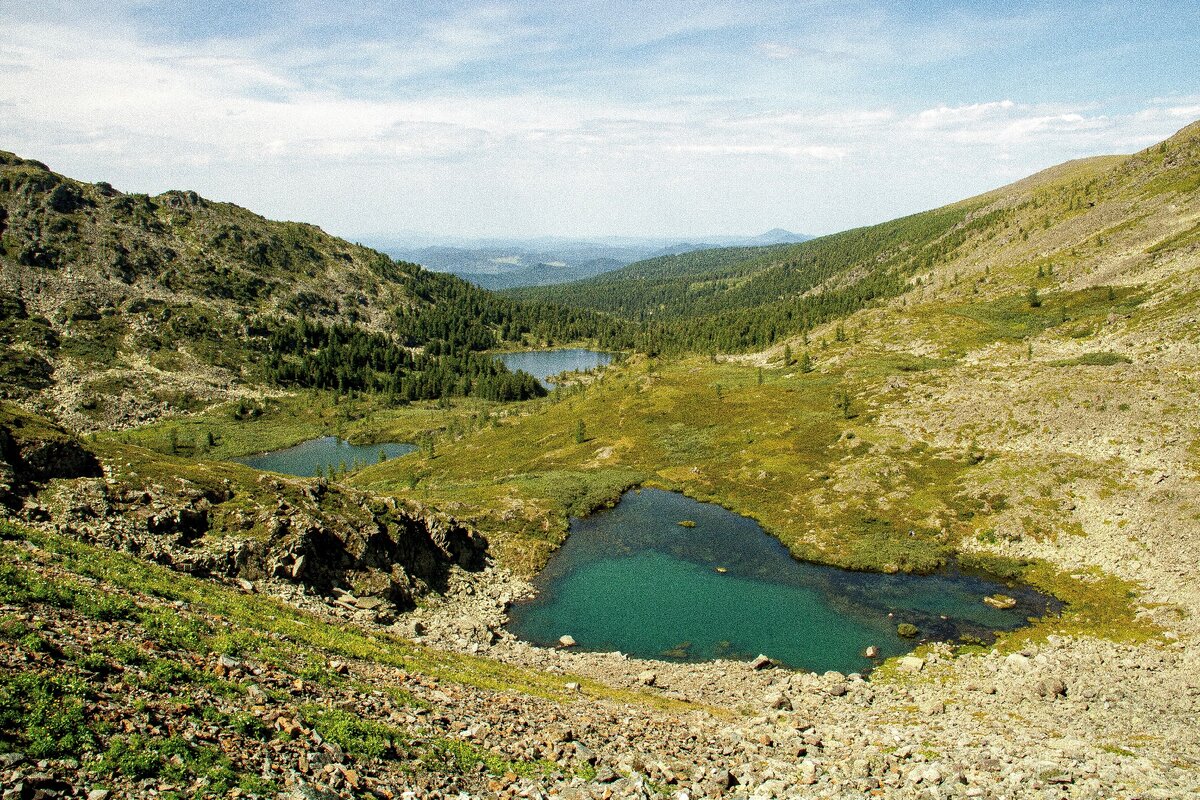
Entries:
{"x":743,"y":299}
{"x":173,"y":301}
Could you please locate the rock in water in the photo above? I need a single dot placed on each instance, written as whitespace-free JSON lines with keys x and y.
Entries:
{"x":871,"y":652}
{"x":1001,"y":601}
{"x":761,"y":662}
{"x":566,"y":640}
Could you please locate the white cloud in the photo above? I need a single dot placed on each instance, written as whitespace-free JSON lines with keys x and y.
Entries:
{"x":365,"y":138}
{"x":777,"y":51}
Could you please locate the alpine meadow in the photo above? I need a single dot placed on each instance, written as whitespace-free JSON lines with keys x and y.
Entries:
{"x":907,"y":509}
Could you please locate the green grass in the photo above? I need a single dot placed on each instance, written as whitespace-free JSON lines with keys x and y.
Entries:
{"x":272,"y":631}
{"x":460,"y":757}
{"x":42,"y":714}
{"x":773,"y":451}
{"x":281,"y":420}
{"x":1096,"y":604}
{"x":357,"y":736}
{"x":174,"y":760}
{"x":1098,"y":359}
{"x":1012,"y":318}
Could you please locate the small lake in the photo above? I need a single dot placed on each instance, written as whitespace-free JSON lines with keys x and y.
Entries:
{"x":544,"y":364}
{"x":633,"y":579}
{"x":314,"y":457}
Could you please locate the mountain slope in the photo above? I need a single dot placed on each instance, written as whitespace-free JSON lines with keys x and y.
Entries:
{"x":176,"y":301}
{"x":745,"y":298}
{"x":1047,"y":436}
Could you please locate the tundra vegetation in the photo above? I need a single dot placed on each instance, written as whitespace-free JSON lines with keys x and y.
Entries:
{"x":1008,"y":382}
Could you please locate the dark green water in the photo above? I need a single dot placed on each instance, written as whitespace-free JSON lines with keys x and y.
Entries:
{"x":314,"y":457}
{"x":544,"y":364}
{"x":632,"y":579}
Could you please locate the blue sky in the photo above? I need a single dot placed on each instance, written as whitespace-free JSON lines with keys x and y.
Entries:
{"x":590,"y":118}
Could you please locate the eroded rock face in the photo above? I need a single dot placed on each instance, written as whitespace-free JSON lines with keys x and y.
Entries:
{"x":322,"y":537}
{"x":31,"y":455}
{"x":308,"y":532}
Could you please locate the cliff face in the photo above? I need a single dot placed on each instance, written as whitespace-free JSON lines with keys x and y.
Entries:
{"x":222,"y":520}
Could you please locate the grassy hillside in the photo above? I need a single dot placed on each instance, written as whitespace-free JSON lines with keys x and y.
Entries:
{"x":1009,"y":383}
{"x":742,"y":299}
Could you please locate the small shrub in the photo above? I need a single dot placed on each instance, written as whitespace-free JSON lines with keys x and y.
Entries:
{"x":1098,"y":359}
{"x":43,"y":714}
{"x":356,"y":736}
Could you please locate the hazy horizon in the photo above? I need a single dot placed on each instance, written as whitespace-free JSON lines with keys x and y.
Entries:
{"x":499,"y":120}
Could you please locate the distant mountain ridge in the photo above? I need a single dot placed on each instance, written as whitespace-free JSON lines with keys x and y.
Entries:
{"x":545,"y":261}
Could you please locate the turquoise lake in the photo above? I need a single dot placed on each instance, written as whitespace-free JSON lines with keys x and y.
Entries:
{"x":545,"y":364}
{"x":633,"y":579}
{"x":315,"y":456}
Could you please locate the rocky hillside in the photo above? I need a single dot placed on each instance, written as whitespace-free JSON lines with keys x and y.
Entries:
{"x":116,"y":309}
{"x":78,"y":250}
{"x":1021,"y":397}
{"x":228,"y":522}
{"x":147,"y":298}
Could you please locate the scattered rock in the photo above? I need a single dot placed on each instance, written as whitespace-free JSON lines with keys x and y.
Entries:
{"x":779,"y":702}
{"x":1017,"y":660}
{"x":761,"y":662}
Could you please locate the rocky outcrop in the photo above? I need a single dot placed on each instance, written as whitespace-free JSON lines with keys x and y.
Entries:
{"x":33,"y":452}
{"x":323,"y":538}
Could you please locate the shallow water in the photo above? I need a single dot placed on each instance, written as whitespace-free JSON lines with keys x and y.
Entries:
{"x":314,"y":457}
{"x":633,"y":579}
{"x":544,"y":364}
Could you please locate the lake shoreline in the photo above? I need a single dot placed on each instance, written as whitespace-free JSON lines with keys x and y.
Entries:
{"x":629,"y":578}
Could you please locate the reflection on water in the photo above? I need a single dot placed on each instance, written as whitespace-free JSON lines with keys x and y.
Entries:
{"x":633,"y":579}
{"x":543,"y":364}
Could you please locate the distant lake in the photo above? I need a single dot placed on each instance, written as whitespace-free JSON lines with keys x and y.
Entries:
{"x":315,"y":456}
{"x":634,"y":579}
{"x":543,"y":364}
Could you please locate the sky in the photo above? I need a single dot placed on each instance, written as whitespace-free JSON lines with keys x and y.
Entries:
{"x":665,"y":119}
